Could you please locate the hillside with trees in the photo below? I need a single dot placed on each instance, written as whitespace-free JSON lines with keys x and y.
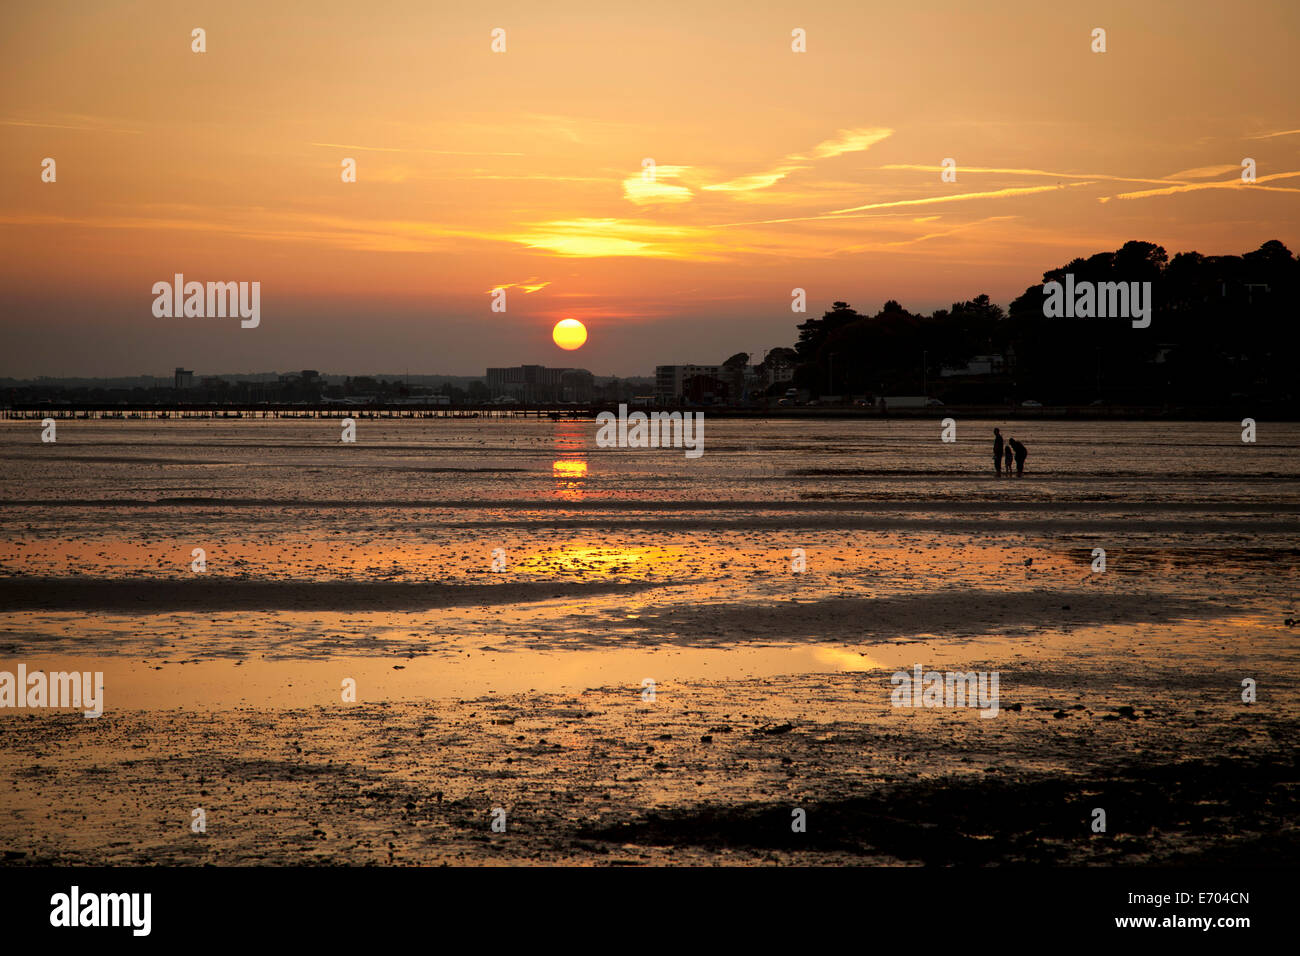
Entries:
{"x":1222,"y":328}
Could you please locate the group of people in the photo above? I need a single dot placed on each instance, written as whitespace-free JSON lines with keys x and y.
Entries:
{"x":1004,"y":453}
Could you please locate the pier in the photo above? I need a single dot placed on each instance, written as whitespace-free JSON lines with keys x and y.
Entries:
{"x":186,"y":411}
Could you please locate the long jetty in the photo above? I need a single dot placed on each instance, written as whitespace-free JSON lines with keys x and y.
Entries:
{"x":187,"y":411}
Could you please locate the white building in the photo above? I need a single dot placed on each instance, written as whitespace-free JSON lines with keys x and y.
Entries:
{"x":670,"y":380}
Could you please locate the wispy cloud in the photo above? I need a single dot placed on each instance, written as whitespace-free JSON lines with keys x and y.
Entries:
{"x":376,"y":235}
{"x":401,"y":149}
{"x":642,"y":192}
{"x":848,"y":141}
{"x":589,"y":238}
{"x":958,"y":197}
{"x":538,"y":177}
{"x":81,"y":128}
{"x":951,"y":231}
{"x":1195,"y":187}
{"x":743,"y":184}
{"x":1202,"y":172}
{"x":843,"y":142}
{"x":528,"y":285}
{"x":1281,"y":132}
{"x":1031,"y":172}
{"x":646,"y":190}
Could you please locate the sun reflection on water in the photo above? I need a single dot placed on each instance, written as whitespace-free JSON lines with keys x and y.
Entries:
{"x":570,"y":475}
{"x":580,"y":558}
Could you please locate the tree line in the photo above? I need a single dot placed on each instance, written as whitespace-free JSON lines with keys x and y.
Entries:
{"x":1223,"y":329}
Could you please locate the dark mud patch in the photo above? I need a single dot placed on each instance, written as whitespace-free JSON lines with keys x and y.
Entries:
{"x":122,"y":596}
{"x":1220,"y":812}
{"x":970,"y":613}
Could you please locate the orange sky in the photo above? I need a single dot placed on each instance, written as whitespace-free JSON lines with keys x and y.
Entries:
{"x":523,"y":169}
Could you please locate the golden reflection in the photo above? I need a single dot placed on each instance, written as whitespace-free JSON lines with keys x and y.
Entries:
{"x":844,"y":659}
{"x":597,"y":560}
{"x":570,"y":438}
{"x":570,"y":475}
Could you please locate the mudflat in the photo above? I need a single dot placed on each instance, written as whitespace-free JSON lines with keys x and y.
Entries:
{"x":642,"y":660}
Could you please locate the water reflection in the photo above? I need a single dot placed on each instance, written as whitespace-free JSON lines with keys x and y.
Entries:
{"x":570,"y":478}
{"x":570,"y":468}
{"x":582,"y":559}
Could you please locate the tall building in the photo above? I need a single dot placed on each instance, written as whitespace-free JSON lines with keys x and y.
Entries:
{"x":184,"y":378}
{"x":670,"y":380}
{"x":537,"y":384}
{"x":577,"y":385}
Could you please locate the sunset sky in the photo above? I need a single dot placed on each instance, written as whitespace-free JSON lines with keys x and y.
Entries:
{"x":523,"y":169}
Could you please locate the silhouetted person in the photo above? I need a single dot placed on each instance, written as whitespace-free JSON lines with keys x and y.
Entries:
{"x":1020,"y":451}
{"x":1007,"y":459}
{"x":997,"y":453}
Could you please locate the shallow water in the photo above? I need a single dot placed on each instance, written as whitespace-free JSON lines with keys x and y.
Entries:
{"x":422,"y":460}
{"x":695,"y":558}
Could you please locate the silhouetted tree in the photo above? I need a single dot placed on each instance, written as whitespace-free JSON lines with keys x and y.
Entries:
{"x":813,"y":332}
{"x":1222,"y":326}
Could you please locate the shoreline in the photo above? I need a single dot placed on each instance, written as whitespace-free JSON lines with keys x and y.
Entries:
{"x":178,"y":412}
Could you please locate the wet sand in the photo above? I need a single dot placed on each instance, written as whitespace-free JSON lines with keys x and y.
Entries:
{"x":707,"y":773}
{"x":521,"y":687}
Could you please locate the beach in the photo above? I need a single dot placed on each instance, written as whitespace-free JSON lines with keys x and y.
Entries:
{"x":646,"y":659}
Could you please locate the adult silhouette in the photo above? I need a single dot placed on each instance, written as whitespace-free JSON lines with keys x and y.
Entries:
{"x":997,"y":453}
{"x":1020,"y":451}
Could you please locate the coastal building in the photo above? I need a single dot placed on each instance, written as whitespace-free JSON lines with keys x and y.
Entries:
{"x":713,"y":384}
{"x":537,"y":384}
{"x":671,"y":381}
{"x":184,"y":378}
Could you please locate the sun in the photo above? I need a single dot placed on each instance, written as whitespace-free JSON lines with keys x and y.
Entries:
{"x":569,"y":334}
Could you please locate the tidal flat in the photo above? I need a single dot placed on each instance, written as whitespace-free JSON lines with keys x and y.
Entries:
{"x":643,"y":659}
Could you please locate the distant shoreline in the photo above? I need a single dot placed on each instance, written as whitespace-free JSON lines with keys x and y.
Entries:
{"x":215,"y":411}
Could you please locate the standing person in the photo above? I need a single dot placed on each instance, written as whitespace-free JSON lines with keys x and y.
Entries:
{"x":997,"y":453}
{"x":1021,"y":451}
{"x":1007,"y":459}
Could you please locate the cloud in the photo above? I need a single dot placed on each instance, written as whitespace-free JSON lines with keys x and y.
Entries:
{"x":646,"y":190}
{"x":1281,"y":132}
{"x":594,"y":238}
{"x":1194,"y":187}
{"x":1202,"y":172}
{"x":849,"y":141}
{"x":539,"y":177}
{"x":845,"y":141}
{"x":86,"y":129}
{"x":261,"y":224}
{"x":528,"y":285}
{"x":1030,"y":172}
{"x":399,"y":149}
{"x":959,"y":197}
{"x":745,"y":184}
{"x":960,"y":227}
